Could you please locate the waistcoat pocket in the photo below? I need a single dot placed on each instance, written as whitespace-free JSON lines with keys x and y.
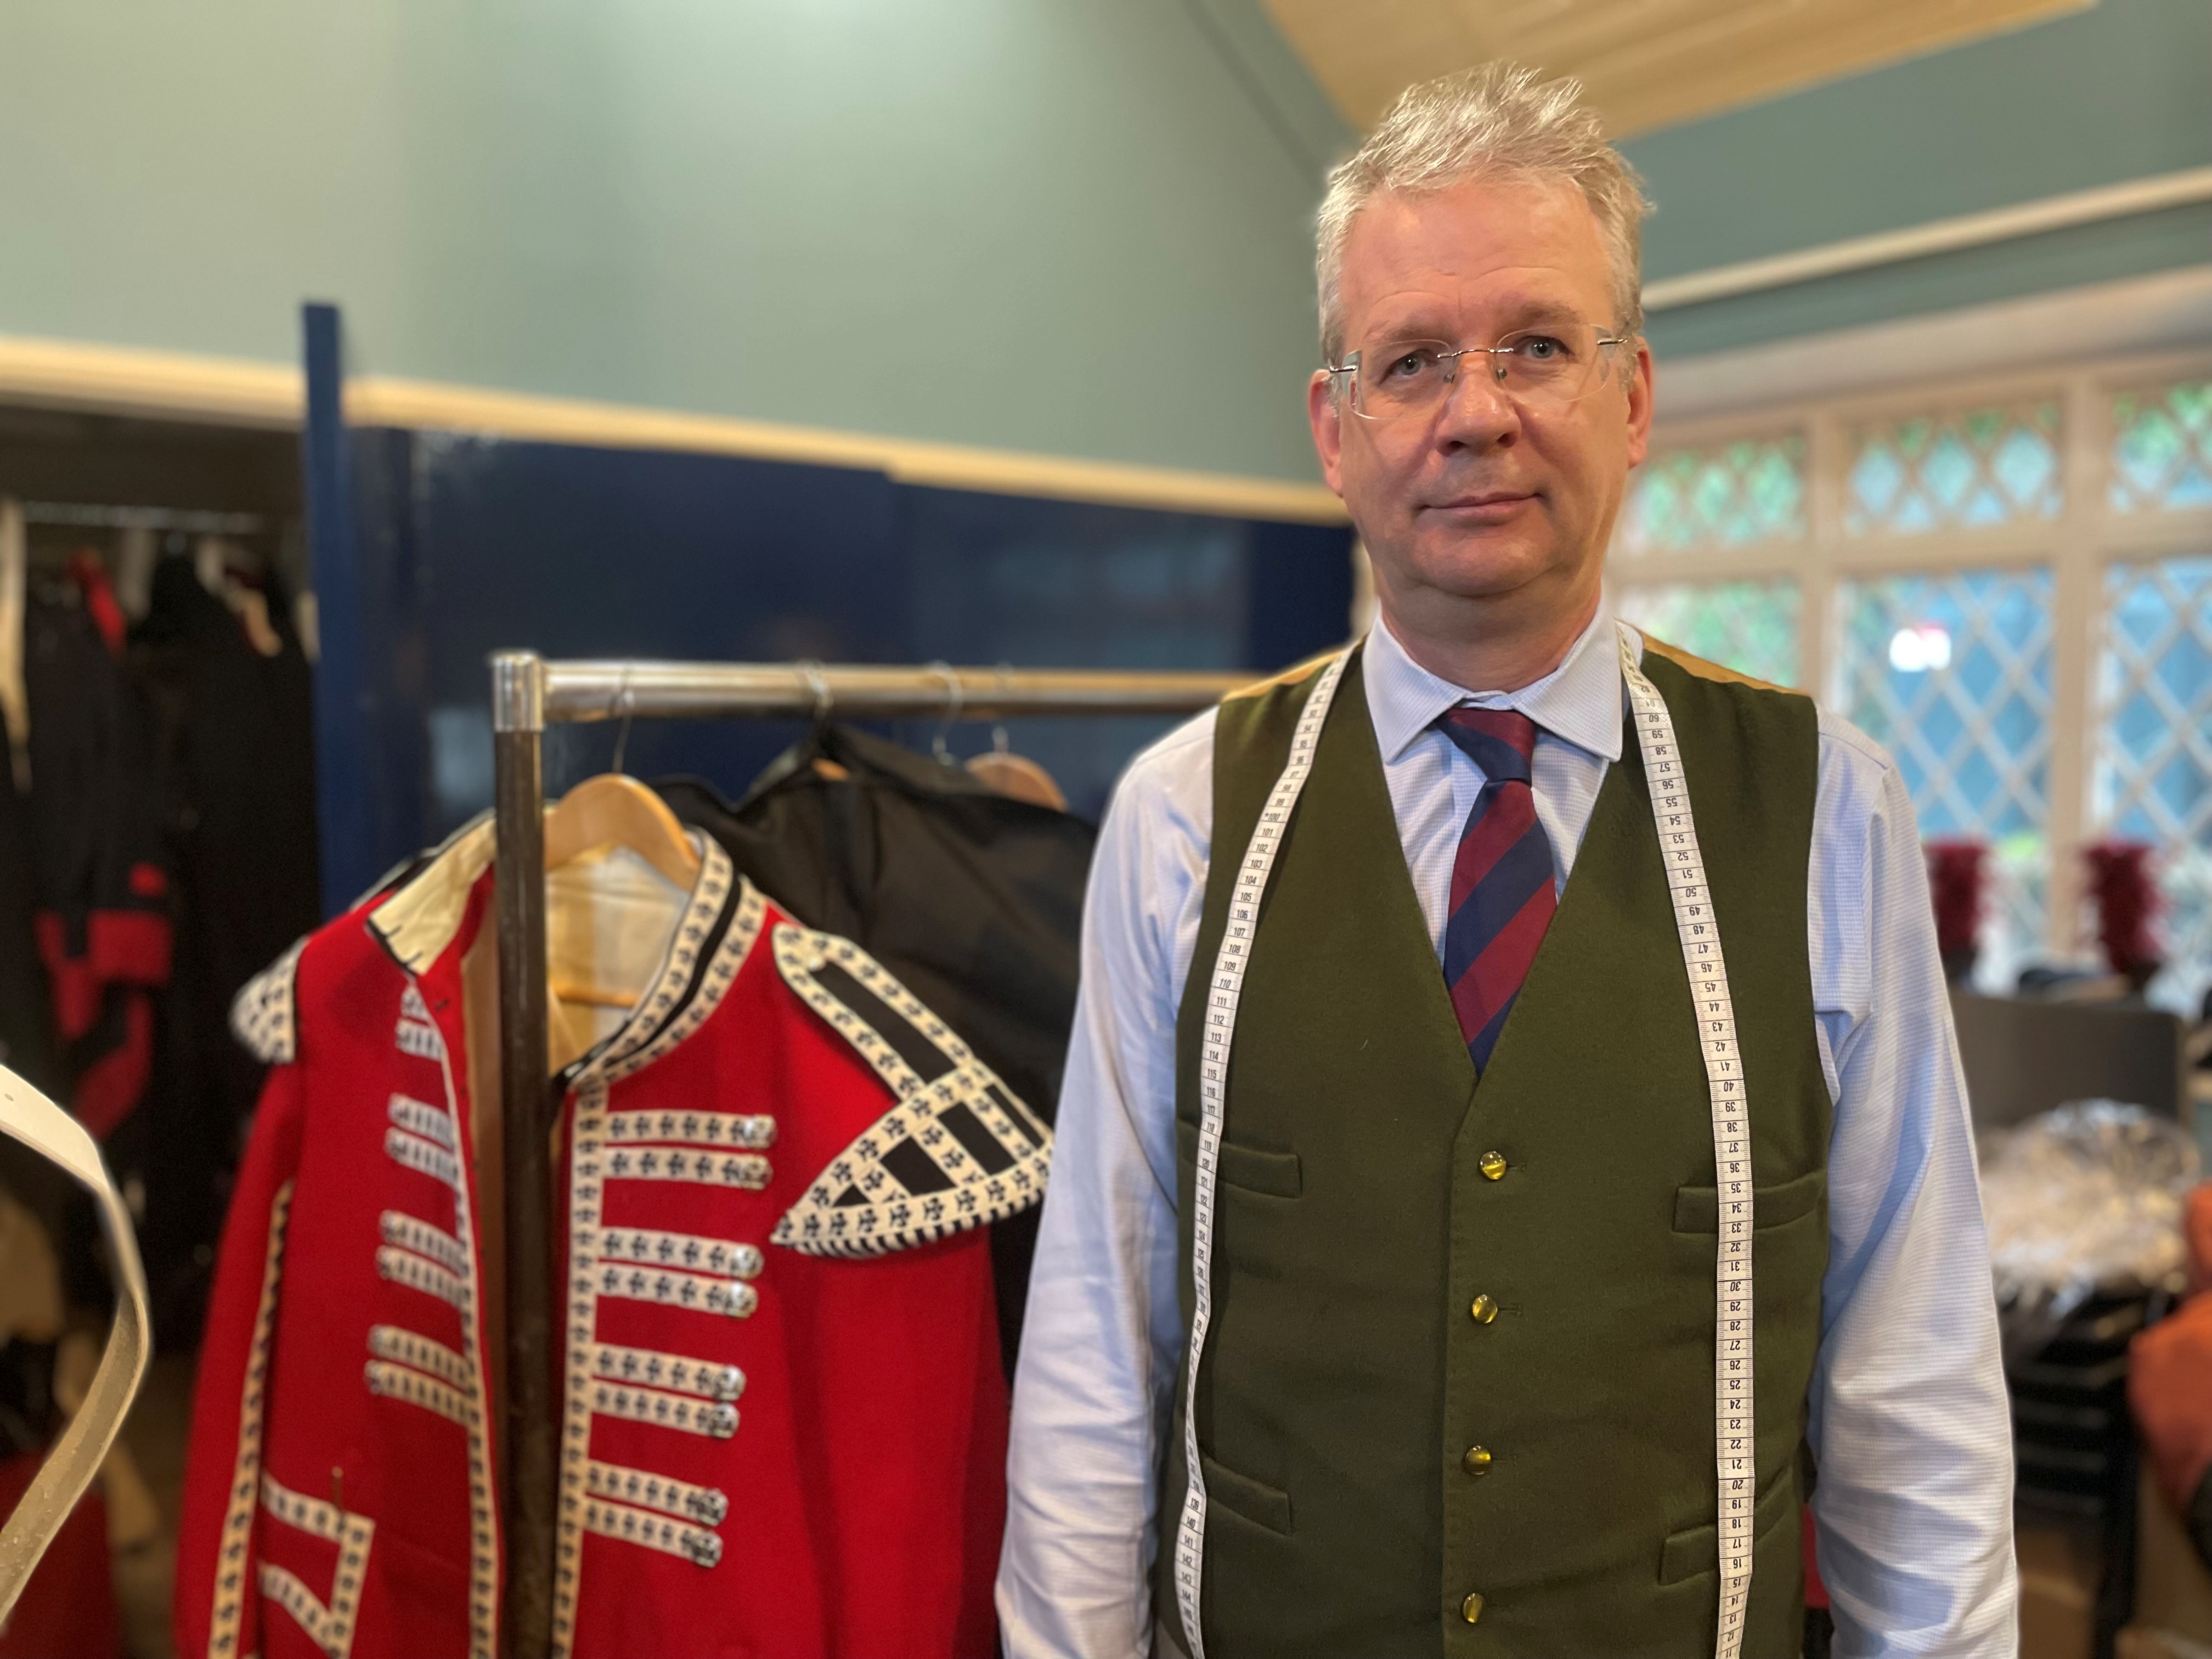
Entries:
{"x":1696,"y":1549}
{"x":1255,"y":1501}
{"x":1276,"y":1175}
{"x":1698,"y":1209}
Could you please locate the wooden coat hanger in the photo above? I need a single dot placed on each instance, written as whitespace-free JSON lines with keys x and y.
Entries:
{"x":614,"y":809}
{"x":1016,"y":776}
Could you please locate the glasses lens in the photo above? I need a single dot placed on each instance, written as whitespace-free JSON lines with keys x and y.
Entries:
{"x":1556,"y":363}
{"x":1404,"y":378}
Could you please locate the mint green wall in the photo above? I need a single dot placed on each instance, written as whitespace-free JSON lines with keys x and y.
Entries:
{"x":2118,"y":92}
{"x":1074,"y":226}
{"x":1060,"y":226}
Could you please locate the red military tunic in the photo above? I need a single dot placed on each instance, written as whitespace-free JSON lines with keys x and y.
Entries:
{"x":784,"y":1417}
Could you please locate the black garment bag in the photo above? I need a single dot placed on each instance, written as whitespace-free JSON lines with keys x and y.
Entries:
{"x":973,"y":900}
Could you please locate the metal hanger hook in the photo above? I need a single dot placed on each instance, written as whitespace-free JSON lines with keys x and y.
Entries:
{"x":955,"y":695}
{"x":1000,"y":743}
{"x":625,"y":706}
{"x":818,"y":682}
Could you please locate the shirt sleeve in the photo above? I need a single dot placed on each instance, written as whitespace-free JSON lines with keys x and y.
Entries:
{"x":1103,"y":1335}
{"x":1910,"y":1423}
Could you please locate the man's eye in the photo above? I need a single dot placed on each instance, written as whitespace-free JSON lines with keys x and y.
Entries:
{"x":1410,"y":365}
{"x":1542,"y":348}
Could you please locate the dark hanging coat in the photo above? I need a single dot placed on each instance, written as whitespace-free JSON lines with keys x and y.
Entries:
{"x":232,"y":754}
{"x":973,"y":900}
{"x":27,"y":1013}
{"x":103,"y":922}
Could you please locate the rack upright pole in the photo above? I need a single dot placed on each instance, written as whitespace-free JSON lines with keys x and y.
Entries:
{"x":526,"y":692}
{"x":530,"y":1481}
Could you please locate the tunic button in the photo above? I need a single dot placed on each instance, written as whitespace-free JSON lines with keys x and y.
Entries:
{"x":1477,"y":1461}
{"x":1483,"y":1310}
{"x":1492,"y":1165}
{"x":1471,"y":1609}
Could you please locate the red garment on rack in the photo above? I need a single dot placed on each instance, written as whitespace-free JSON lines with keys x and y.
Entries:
{"x":68,"y":1609}
{"x":784,"y":1420}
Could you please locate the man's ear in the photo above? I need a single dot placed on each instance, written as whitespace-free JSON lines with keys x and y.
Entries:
{"x":1640,"y":384}
{"x":1325,"y":413}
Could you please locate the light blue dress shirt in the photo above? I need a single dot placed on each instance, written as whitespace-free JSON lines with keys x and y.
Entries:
{"x":1909,"y":1417}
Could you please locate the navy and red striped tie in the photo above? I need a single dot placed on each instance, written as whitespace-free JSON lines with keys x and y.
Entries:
{"x":1501,"y":887}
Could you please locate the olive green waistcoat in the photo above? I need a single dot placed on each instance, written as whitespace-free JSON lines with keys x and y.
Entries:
{"x":1344,"y":1380}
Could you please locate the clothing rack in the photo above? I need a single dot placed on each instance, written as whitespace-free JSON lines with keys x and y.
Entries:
{"x":190,"y":520}
{"x":528,"y":694}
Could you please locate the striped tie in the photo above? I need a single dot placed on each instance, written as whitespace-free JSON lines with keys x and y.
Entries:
{"x":1502,"y":892}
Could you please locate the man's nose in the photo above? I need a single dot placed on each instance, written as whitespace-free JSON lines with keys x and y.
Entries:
{"x":1478,"y":412}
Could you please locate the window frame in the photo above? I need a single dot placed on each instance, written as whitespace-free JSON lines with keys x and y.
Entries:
{"x":2088,"y":535}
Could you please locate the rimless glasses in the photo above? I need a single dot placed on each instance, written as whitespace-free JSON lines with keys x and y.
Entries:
{"x":1554,"y":365}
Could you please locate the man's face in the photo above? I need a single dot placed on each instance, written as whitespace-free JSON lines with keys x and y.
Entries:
{"x":1489,"y":496}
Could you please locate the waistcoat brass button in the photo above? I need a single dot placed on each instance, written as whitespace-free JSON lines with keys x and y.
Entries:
{"x":1492,"y":1165}
{"x":1471,"y":1609}
{"x":1477,"y":1461}
{"x":1483,"y":1310}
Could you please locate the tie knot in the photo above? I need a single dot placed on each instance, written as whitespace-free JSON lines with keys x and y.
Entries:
{"x":1501,"y":741}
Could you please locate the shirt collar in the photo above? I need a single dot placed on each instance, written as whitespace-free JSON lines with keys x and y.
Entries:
{"x":1579,"y":702}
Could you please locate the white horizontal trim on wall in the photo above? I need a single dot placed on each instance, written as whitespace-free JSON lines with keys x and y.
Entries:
{"x":116,"y":380}
{"x":2080,"y":207}
{"x":174,"y":386}
{"x":2100,"y":323}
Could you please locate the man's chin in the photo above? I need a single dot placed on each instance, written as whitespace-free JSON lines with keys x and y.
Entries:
{"x":1479,"y":566}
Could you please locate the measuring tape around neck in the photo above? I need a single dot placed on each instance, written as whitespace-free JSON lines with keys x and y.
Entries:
{"x":1733,"y":1422}
{"x":1735,"y":1449}
{"x":1221,"y":995}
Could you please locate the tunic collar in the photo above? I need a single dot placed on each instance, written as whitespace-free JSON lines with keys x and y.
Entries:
{"x":421,"y":919}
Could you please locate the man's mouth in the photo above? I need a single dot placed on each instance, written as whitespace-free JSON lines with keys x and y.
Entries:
{"x":1483,"y":504}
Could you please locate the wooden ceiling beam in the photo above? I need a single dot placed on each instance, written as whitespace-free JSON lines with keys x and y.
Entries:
{"x":1646,"y":63}
{"x":1653,"y":88}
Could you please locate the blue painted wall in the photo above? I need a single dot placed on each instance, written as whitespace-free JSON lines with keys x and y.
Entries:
{"x":466,"y":544}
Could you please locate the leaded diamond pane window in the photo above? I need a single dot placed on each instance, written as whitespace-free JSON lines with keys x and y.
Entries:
{"x":1728,"y":495}
{"x":1748,"y":626}
{"x":1965,"y":471}
{"x":2153,"y":776}
{"x":1951,"y":673}
{"x":2162,"y":448}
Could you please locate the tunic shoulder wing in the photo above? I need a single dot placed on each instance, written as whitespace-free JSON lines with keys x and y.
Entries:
{"x":957,"y":1150}
{"x":263,"y":1015}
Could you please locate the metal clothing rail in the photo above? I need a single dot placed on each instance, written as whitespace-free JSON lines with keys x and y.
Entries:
{"x":528,"y":694}
{"x":190,"y":520}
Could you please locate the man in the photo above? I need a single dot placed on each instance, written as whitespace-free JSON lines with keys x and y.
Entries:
{"x":1463,"y":1357}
